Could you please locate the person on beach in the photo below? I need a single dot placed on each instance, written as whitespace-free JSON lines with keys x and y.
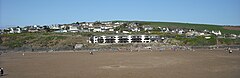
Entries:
{"x":91,"y":53}
{"x":230,"y":51}
{"x":2,"y":72}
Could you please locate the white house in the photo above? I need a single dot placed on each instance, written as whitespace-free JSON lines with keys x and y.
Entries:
{"x":135,"y":29}
{"x":18,"y":30}
{"x":55,"y":27}
{"x":147,"y":28}
{"x":111,"y":30}
{"x":165,"y":29}
{"x":181,"y":32}
{"x":72,"y":29}
{"x":125,"y":39}
{"x":201,"y":34}
{"x":61,"y":31}
{"x":216,"y":33}
{"x":97,"y":29}
{"x":125,"y":32}
{"x":11,"y":30}
{"x":191,"y":33}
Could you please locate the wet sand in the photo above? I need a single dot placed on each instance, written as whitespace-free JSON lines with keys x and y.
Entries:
{"x":165,"y":64}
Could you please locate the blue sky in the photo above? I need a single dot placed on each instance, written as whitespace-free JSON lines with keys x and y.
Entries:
{"x":30,"y":12}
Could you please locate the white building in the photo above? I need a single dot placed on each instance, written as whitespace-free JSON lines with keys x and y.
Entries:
{"x":125,"y":39}
{"x":55,"y":27}
{"x":111,"y":30}
{"x":125,"y":32}
{"x":217,"y":33}
{"x":18,"y":30}
{"x":147,"y":28}
{"x":97,"y":29}
{"x":165,"y":30}
{"x":11,"y":30}
{"x":181,"y":32}
{"x":73,"y":29}
{"x":61,"y":31}
{"x":135,"y":29}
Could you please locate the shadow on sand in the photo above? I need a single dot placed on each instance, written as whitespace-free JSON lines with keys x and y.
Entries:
{"x":4,"y":75}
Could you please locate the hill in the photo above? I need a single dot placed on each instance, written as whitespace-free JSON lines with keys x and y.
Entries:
{"x":58,"y":41}
{"x":199,"y":27}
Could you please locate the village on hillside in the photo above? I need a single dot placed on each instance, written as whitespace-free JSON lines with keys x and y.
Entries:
{"x":115,"y":28}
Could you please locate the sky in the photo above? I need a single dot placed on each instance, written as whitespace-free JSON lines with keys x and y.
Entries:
{"x":45,"y":12}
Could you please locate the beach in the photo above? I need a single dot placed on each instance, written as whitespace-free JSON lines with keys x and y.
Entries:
{"x":126,"y":64}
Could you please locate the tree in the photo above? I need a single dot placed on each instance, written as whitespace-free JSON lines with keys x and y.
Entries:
{"x":77,"y":23}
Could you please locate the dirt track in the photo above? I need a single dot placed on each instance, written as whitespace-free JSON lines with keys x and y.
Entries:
{"x":166,"y":64}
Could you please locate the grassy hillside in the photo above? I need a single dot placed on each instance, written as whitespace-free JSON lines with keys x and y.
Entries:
{"x":47,"y":40}
{"x":61,"y":40}
{"x":199,"y":27}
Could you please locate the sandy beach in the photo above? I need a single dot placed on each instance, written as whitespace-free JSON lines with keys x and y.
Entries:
{"x":165,"y":64}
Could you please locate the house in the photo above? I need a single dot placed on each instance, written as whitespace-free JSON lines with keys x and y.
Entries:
{"x":55,"y":27}
{"x":18,"y":30}
{"x":33,"y":29}
{"x":233,"y":36}
{"x":13,"y":30}
{"x":164,"y":29}
{"x":125,"y":32}
{"x":72,"y":29}
{"x":173,"y":31}
{"x":112,"y":30}
{"x":61,"y":27}
{"x":216,"y":33}
{"x":119,"y":23}
{"x":97,"y":29}
{"x":201,"y":34}
{"x":84,"y":30}
{"x":6,"y":31}
{"x":124,"y":39}
{"x":134,"y":29}
{"x":102,"y":28}
{"x":147,"y":28}
{"x":181,"y":32}
{"x":107,"y":23}
{"x":192,"y":33}
{"x":134,"y":24}
{"x":61,"y":31}
{"x":106,"y":27}
{"x":88,"y":24}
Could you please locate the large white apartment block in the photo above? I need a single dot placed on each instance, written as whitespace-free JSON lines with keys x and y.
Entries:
{"x":125,"y":39}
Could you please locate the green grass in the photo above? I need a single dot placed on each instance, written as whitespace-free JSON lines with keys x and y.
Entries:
{"x":18,"y":40}
{"x":197,"y":41}
{"x":199,"y":27}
